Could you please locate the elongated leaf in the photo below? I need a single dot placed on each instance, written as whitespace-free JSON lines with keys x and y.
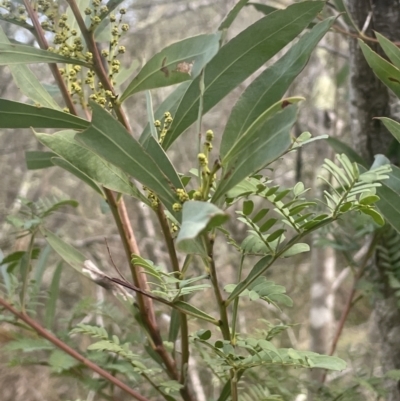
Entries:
{"x":87,"y":162}
{"x":385,"y":71}
{"x":251,"y":133}
{"x":21,"y":54}
{"x":20,"y":115}
{"x":273,"y":140}
{"x":270,"y":86}
{"x":392,"y":126}
{"x":263,"y":8}
{"x":342,"y":8}
{"x":67,"y":252}
{"x":170,"y":104}
{"x":27,"y":82}
{"x":389,"y":194}
{"x":196,"y":217}
{"x":53,"y":296}
{"x":228,"y":20}
{"x":36,"y":160}
{"x":259,"y":268}
{"x":391,"y":50}
{"x":109,"y":139}
{"x":58,"y":161}
{"x":176,"y":63}
{"x":239,"y":58}
{"x":193,"y":311}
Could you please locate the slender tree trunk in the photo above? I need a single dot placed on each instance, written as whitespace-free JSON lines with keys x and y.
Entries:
{"x":370,"y":98}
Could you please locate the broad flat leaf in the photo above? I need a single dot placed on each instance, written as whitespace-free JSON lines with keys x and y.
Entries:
{"x":21,"y":54}
{"x":58,"y":161}
{"x":87,"y":162}
{"x":270,"y":86}
{"x":36,"y":160}
{"x":27,"y":82}
{"x":176,"y":63}
{"x":170,"y":104}
{"x":259,"y":268}
{"x":389,"y":194}
{"x":228,"y":20}
{"x":324,"y":361}
{"x":196,"y":217}
{"x":391,"y":50}
{"x":392,"y":126}
{"x":385,"y":71}
{"x":247,"y":136}
{"x":67,"y":252}
{"x":342,"y":8}
{"x":59,"y":361}
{"x":193,"y":311}
{"x":239,"y":58}
{"x":263,"y":8}
{"x":20,"y":115}
{"x":109,"y":139}
{"x":340,"y":147}
{"x":272,"y":141}
{"x":296,"y":249}
{"x":53,"y":297}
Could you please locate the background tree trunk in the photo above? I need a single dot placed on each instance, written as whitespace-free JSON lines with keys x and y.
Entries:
{"x":370,"y":98}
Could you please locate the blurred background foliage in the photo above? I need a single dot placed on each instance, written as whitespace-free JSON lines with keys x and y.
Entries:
{"x":325,"y":85}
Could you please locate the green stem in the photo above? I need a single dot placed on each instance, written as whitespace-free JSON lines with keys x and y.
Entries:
{"x":234,"y":382}
{"x":183,"y":317}
{"x":224,"y":323}
{"x":70,"y":351}
{"x":236,"y":302}
{"x":25,"y":270}
{"x":199,"y":121}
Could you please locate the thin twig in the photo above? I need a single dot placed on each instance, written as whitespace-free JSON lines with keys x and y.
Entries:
{"x":112,"y":261}
{"x":349,"y":302}
{"x":70,"y":351}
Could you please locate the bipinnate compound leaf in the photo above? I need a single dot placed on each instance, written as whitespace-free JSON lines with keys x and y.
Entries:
{"x":385,"y":71}
{"x":239,"y":58}
{"x":110,"y":140}
{"x":196,"y":217}
{"x":20,"y":115}
{"x":269,"y":87}
{"x":176,"y":63}
{"x":11,"y":53}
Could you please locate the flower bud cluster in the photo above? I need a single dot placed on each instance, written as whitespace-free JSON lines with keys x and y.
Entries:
{"x":163,"y":130}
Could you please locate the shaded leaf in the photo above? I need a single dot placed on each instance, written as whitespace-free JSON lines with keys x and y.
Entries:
{"x":27,"y":82}
{"x":88,"y":163}
{"x":11,"y":53}
{"x":109,"y":139}
{"x":341,"y":147}
{"x":271,"y":141}
{"x":176,"y":63}
{"x":233,"y":13}
{"x":385,"y":71}
{"x":20,"y":115}
{"x":391,"y":50}
{"x":193,"y":311}
{"x":36,"y":160}
{"x":270,"y":86}
{"x":239,"y":58}
{"x":196,"y":217}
